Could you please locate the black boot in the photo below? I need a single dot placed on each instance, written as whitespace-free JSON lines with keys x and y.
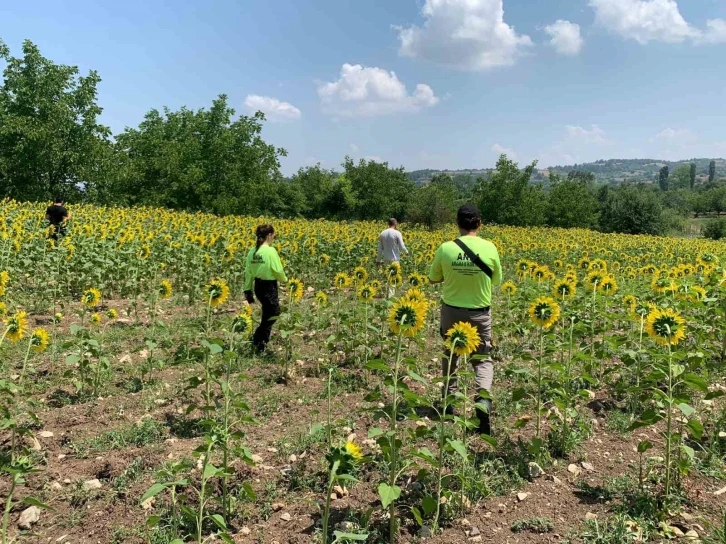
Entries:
{"x":485,"y":426}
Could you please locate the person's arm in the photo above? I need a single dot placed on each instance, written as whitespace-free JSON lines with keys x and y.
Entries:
{"x":249,"y":280}
{"x":436,"y":273}
{"x":403,"y":246}
{"x":276,"y":267}
{"x":497,"y":269}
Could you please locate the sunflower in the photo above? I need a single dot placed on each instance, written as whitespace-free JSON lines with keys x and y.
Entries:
{"x":523,"y":267}
{"x":595,"y":278}
{"x":228,"y":254}
{"x":395,"y":281}
{"x":630,"y":303}
{"x":57,"y":318}
{"x":541,"y":273}
{"x":375,"y":284}
{"x":584,"y":263}
{"x":416,"y":295}
{"x":509,"y":288}
{"x":39,"y":340}
{"x":217,"y":292}
{"x":91,"y":297}
{"x":558,"y":263}
{"x":417,"y":280}
{"x":598,"y":264}
{"x":145,"y":252}
{"x":165,"y":289}
{"x":663,"y":285}
{"x":463,"y":339}
{"x":544,"y":312}
{"x":4,"y":278}
{"x":323,"y":260}
{"x":406,"y":317}
{"x":112,"y":314}
{"x":242,"y":324}
{"x":321,"y":298}
{"x":17,"y":325}
{"x":697,"y":294}
{"x":665,"y":326}
{"x":394,"y":269}
{"x":360,"y":274}
{"x":342,"y":280}
{"x":707,"y":259}
{"x":366,"y":293}
{"x":354,"y":450}
{"x":295,"y":288}
{"x":3,"y":309}
{"x":608,"y":285}
{"x":564,"y":289}
{"x":95,"y":318}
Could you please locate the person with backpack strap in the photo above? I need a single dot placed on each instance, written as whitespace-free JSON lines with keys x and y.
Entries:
{"x":469,"y":267}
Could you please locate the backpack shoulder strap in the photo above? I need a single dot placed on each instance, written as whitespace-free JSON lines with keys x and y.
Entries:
{"x":484,"y":267}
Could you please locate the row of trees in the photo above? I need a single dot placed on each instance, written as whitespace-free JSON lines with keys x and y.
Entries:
{"x":51,"y":142}
{"x":683,"y":177}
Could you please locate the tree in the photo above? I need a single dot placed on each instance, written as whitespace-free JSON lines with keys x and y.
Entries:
{"x":199,"y":161}
{"x":692,"y":175}
{"x":663,"y":178}
{"x":680,"y":179}
{"x":434,"y":204}
{"x":631,"y":210}
{"x":507,"y":198}
{"x":711,"y":171}
{"x":50,"y":138}
{"x":572,"y":202}
{"x":381,"y":192}
{"x":315,"y":183}
{"x":341,"y":202}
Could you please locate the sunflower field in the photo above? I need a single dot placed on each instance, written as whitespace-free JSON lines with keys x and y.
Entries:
{"x":134,"y":409}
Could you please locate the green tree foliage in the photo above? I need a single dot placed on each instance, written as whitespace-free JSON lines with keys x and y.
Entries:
{"x":50,"y":138}
{"x":711,"y":171}
{"x":681,"y":178}
{"x":199,"y":160}
{"x":663,"y":178}
{"x":572,"y":202}
{"x":434,"y":205}
{"x":508,"y":198}
{"x":380,"y":191}
{"x":715,"y":229}
{"x":316,"y":185}
{"x":632,"y":210}
{"x":692,"y":175}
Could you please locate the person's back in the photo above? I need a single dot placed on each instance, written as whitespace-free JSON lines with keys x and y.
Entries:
{"x":56,"y":214}
{"x":390,"y":244}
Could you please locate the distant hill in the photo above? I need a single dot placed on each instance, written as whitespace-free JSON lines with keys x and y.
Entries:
{"x":606,"y":171}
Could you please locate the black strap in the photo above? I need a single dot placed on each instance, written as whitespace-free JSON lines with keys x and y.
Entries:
{"x":484,"y":267}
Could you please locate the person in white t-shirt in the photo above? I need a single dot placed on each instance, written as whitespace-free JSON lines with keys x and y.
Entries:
{"x":390,"y":244}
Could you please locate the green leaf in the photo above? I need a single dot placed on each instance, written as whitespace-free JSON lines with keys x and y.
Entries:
{"x":687,"y":409}
{"x":219,"y":521}
{"x":350,"y":536}
{"x":210,"y":471}
{"x":32,"y":501}
{"x":153,"y":491}
{"x":378,"y":364}
{"x":644,"y":445}
{"x":695,"y":382}
{"x":153,"y":521}
{"x":688,"y":451}
{"x":696,"y":428}
{"x":417,"y":515}
{"x":714,"y":395}
{"x":429,"y":505}
{"x":518,"y":394}
{"x":388,"y":494}
{"x":459,"y":447}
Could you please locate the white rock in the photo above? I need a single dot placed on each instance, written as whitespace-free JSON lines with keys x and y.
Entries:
{"x":587,"y":466}
{"x":29,"y":517}
{"x":590,"y":516}
{"x":293,"y":458}
{"x":257,"y":459}
{"x":522,"y":496}
{"x":56,"y":486}
{"x":45,"y":434}
{"x":573,"y":469}
{"x":691,"y":535}
{"x":277,"y":506}
{"x":535,"y":471}
{"x":720,"y":491}
{"x":89,"y":485}
{"x":285,"y":516}
{"x":245,"y":531}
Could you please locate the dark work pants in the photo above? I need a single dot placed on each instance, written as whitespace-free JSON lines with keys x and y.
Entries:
{"x":266,"y":293}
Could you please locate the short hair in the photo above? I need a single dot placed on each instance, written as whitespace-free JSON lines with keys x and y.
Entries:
{"x":59,"y":200}
{"x":392,"y":221}
{"x":468,"y":217}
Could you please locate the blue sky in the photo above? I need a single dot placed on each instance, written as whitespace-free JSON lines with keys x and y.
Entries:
{"x":418,"y":83}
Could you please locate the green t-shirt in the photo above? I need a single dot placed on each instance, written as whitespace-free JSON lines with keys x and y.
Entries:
{"x":263,"y":264}
{"x":465,"y":285}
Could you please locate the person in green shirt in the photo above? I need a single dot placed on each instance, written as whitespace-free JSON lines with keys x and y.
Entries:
{"x":466,"y":297}
{"x":262,"y":272}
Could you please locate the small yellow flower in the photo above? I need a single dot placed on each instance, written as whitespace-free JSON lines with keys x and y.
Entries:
{"x":366,"y":293}
{"x":91,"y":297}
{"x":217,"y":292}
{"x":321,"y":298}
{"x":39,"y":340}
{"x":16,"y":326}
{"x":112,"y":314}
{"x":165,"y":289}
{"x":509,"y":288}
{"x":354,"y":450}
{"x":564,"y":289}
{"x":342,"y":280}
{"x":95,"y":318}
{"x":360,"y":274}
{"x":295,"y":288}
{"x":242,"y":324}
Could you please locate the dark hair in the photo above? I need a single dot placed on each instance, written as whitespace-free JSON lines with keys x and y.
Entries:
{"x":263,"y":231}
{"x":468,"y":217}
{"x":59,"y":200}
{"x":392,"y":221}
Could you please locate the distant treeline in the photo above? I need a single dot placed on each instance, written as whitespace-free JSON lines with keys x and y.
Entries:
{"x":51,"y":143}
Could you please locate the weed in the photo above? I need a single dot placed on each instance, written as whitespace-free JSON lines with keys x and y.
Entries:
{"x":533,"y":525}
{"x":146,"y":433}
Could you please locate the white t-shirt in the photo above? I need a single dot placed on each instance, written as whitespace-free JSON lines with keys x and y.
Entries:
{"x":390,"y":246}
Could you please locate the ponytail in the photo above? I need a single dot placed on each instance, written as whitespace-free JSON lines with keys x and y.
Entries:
{"x":262,"y":232}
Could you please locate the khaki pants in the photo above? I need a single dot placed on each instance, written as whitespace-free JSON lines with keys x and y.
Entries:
{"x":483,"y":368}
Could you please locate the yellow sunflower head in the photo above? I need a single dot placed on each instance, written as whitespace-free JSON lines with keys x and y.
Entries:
{"x":509,"y":288}
{"x":242,"y":324}
{"x":366,"y":293}
{"x":416,"y":280}
{"x":463,"y":339}
{"x":217,"y":292}
{"x":360,"y":274}
{"x":144,"y":252}
{"x":112,"y":314}
{"x":406,"y":317}
{"x":95,"y":318}
{"x":630,"y":303}
{"x":395,"y":281}
{"x":165,"y":289}
{"x":295,"y":288}
{"x":394,"y":269}
{"x":544,"y":312}
{"x":375,"y":284}
{"x":595,"y":278}
{"x":91,"y":297}
{"x":416,"y":295}
{"x":342,"y":280}
{"x":697,"y":293}
{"x":323,"y":260}
{"x":665,"y":326}
{"x":321,"y":298}
{"x":39,"y":340}
{"x":608,"y":285}
{"x":354,"y":450}
{"x":564,"y":289}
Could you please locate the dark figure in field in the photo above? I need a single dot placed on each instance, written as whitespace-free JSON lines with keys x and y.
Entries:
{"x":468,"y":267}
{"x":57,"y":215}
{"x":262,"y":272}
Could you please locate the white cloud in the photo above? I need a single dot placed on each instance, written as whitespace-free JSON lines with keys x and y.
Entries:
{"x":362,"y":91}
{"x":566,"y":37}
{"x":274,"y":109}
{"x":373,"y":158}
{"x":501,"y":150}
{"x":595,"y":135}
{"x":672,"y":134}
{"x":654,"y":20}
{"x":354,"y":148}
{"x":463,"y":34}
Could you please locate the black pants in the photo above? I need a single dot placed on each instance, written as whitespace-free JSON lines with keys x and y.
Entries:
{"x":266,"y":293}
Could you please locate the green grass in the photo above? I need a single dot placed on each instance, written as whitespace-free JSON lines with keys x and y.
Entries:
{"x":533,"y":525}
{"x":146,"y":433}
